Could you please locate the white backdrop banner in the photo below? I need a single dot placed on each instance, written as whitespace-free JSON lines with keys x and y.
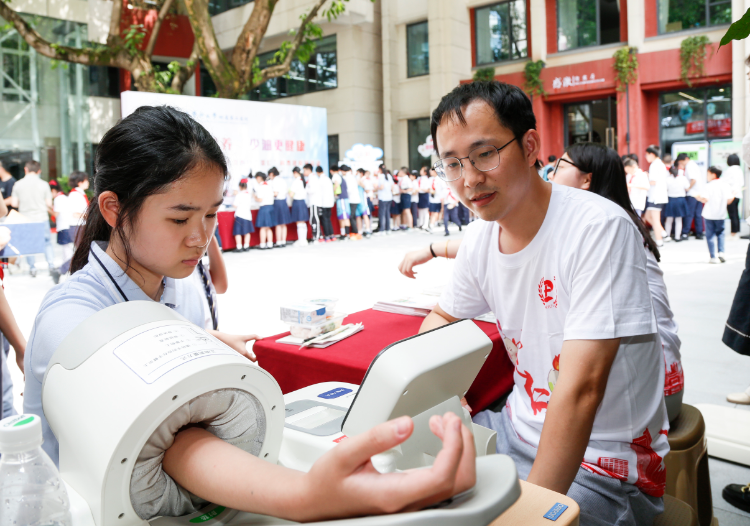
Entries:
{"x":253,"y":135}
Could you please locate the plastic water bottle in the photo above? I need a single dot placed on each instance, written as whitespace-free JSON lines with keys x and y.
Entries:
{"x":31,"y":490}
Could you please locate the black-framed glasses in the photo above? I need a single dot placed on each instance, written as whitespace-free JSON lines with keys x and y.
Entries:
{"x":483,"y":158}
{"x":557,"y":165}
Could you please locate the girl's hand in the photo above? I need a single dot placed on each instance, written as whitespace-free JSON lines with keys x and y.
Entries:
{"x":238,"y":343}
{"x":412,"y":259}
{"x":343,"y":482}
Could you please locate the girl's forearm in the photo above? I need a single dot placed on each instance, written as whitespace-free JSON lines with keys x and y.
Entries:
{"x":9,"y":327}
{"x":226,"y":475}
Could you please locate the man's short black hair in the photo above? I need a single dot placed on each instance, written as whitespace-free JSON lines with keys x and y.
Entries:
{"x":654,"y":150}
{"x":308,"y":166}
{"x":715,"y":170}
{"x":681,"y":157}
{"x":273,"y":171}
{"x":733,"y":160}
{"x":77,"y":178}
{"x":551,"y":159}
{"x":345,"y":168}
{"x":512,"y":107}
{"x":319,"y":169}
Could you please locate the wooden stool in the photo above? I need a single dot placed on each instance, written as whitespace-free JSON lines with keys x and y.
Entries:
{"x":533,"y":503}
{"x":687,"y":464}
{"x":676,"y":513}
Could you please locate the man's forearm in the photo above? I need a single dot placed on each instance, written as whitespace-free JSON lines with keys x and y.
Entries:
{"x":437,"y":318}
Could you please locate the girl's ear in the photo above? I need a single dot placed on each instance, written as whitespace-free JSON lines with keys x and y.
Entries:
{"x":586,"y":181}
{"x":109,"y":206}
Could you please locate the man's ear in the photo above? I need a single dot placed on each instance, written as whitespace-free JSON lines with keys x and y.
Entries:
{"x":586,"y":184}
{"x":531,"y":144}
{"x":109,"y":206}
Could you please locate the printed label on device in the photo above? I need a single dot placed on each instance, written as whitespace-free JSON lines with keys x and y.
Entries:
{"x":154,"y":352}
{"x":555,"y":511}
{"x":334,"y":393}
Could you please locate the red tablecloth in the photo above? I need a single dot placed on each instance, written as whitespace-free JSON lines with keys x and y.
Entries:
{"x":347,"y":361}
{"x":226,"y":224}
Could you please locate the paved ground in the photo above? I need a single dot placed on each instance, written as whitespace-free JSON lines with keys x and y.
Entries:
{"x":360,"y":273}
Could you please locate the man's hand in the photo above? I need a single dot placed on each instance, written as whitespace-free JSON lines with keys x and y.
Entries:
{"x":238,"y":343}
{"x":413,"y":259}
{"x":584,"y":370}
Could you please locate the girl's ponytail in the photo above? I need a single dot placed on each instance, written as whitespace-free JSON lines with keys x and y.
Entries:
{"x":95,"y":229}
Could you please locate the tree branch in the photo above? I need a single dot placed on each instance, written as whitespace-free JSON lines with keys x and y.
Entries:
{"x":187,"y":71}
{"x":113,"y":37}
{"x":249,"y":40}
{"x":157,"y":27}
{"x":98,"y":56}
{"x":281,"y":69}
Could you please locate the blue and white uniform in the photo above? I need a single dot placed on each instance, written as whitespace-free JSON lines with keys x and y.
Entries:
{"x":100,"y":284}
{"x":280,"y":207}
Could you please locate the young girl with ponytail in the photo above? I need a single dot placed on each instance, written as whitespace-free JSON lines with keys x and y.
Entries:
{"x":157,"y":188}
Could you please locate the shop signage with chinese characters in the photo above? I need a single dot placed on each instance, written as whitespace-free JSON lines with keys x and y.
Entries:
{"x":572,"y":81}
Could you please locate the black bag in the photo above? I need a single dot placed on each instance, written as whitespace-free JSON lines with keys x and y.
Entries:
{"x":737,"y":330}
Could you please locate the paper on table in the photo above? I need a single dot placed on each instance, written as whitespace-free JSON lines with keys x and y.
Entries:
{"x":418,"y":305}
{"x":322,"y":344}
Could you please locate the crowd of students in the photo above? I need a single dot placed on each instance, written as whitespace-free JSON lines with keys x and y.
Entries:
{"x":403,"y":200}
{"x":675,"y":197}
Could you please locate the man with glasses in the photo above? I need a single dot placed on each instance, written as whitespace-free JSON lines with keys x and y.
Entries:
{"x":564,"y":272}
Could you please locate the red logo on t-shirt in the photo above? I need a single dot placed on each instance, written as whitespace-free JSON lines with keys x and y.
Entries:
{"x":547,"y":293}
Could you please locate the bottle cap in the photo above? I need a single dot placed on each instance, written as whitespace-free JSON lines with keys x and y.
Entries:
{"x":20,"y":433}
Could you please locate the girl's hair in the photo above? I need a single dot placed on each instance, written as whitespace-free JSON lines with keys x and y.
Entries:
{"x":715,"y":170}
{"x":242,"y":185}
{"x":261,"y":175}
{"x":273,"y":171}
{"x":733,"y":160}
{"x":608,"y":180}
{"x":139,"y":157}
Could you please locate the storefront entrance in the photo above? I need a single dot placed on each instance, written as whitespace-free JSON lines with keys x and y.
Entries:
{"x":591,"y":121}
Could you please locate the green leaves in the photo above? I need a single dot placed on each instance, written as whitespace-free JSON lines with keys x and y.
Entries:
{"x":737,"y":31}
{"x":692,"y":57}
{"x":484,"y":74}
{"x":532,"y":72}
{"x":625,"y":66}
{"x":133,"y":38}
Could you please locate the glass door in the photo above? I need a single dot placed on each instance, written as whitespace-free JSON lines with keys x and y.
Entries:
{"x":592,"y":121}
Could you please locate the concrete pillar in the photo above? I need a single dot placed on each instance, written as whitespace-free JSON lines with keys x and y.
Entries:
{"x":390,"y":80}
{"x":538,"y":30}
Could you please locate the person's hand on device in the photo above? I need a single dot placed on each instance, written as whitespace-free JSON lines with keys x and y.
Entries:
{"x":238,"y":342}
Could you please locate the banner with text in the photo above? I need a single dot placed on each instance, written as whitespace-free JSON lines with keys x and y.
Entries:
{"x":253,"y":135}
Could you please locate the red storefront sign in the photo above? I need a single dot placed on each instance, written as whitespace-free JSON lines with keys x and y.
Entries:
{"x":716,"y":127}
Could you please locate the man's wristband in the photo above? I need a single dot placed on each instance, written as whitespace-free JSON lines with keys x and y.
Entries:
{"x":432,"y":251}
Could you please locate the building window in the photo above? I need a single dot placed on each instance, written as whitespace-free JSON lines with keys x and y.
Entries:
{"x":333,"y":150}
{"x":417,"y":50}
{"x":320,"y":73}
{"x":501,"y":32}
{"x":208,"y":88}
{"x":582,"y":23}
{"x":219,"y":6}
{"x":695,"y":115}
{"x":104,"y":82}
{"x":676,"y":15}
{"x":419,"y":136}
{"x":16,"y":58}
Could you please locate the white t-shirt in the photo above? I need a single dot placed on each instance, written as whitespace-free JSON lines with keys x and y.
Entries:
{"x":352,"y":187}
{"x":327,"y":200}
{"x":298,"y":191}
{"x":694,"y":172}
{"x":674,"y":379}
{"x":279,"y":188}
{"x":265,"y":193}
{"x":734,"y":178}
{"x":658,"y":173}
{"x":314,"y":196}
{"x":62,"y":212}
{"x":77,"y":204}
{"x":242,"y":202}
{"x":718,"y":193}
{"x":396,"y":192}
{"x":450,"y":200}
{"x":368,"y":186}
{"x":404,"y":182}
{"x":438,"y":186}
{"x":583,"y":276}
{"x":385,"y":193}
{"x":677,"y":185}
{"x":423,"y":184}
{"x":639,"y":181}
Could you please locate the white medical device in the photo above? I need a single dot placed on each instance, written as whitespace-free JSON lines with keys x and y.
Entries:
{"x":129,"y":368}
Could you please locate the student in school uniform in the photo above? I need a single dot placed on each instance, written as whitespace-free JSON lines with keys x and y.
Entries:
{"x":363,"y":209}
{"x":62,"y":219}
{"x":384,"y":186}
{"x":280,"y":207}
{"x":638,"y":185}
{"x":396,"y":203}
{"x":437,"y":189}
{"x":300,"y":214}
{"x":243,"y":218}
{"x":314,"y":200}
{"x":450,"y":205}
{"x":404,"y":183}
{"x":265,"y":220}
{"x":676,"y":209}
{"x":423,"y":204}
{"x":78,"y":202}
{"x":211,"y":280}
{"x":327,"y":202}
{"x":715,"y":196}
{"x":351,"y":180}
